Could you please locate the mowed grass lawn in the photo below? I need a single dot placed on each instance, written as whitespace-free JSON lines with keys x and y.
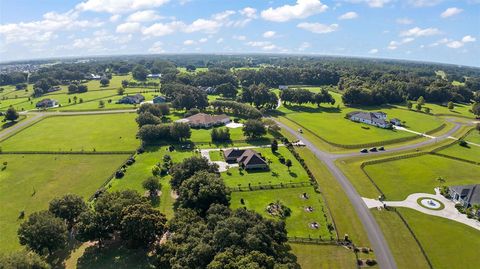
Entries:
{"x":448,"y":244}
{"x":277,"y":174}
{"x":298,"y":223}
{"x":405,"y":250}
{"x":329,"y":122}
{"x":471,"y":152}
{"x":400,"y":178}
{"x":113,"y":132}
{"x":323,"y":256}
{"x":203,"y":139}
{"x":30,"y":181}
{"x":142,"y":169}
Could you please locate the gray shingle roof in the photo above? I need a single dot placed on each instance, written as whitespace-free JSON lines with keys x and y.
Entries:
{"x":469,"y":193}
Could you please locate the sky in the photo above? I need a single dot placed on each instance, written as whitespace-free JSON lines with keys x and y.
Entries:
{"x":446,"y":31}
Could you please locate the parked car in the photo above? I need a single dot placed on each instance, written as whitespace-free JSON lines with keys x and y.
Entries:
{"x":381,"y":148}
{"x":364,"y":151}
{"x":373,"y":149}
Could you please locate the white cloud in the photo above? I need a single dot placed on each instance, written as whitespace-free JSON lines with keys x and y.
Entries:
{"x":424,"y":3}
{"x":372,"y":3}
{"x":156,"y":48}
{"x":128,"y":27}
{"x":393,"y":45}
{"x":203,"y":40}
{"x":220,"y":40}
{"x":302,"y":9}
{"x":451,"y":11}
{"x":348,"y":16}
{"x":189,"y":42}
{"x":373,"y":51}
{"x":162,"y":29}
{"x":203,"y":25}
{"x":45,"y":29}
{"x":468,"y":38}
{"x":239,"y":37}
{"x":269,"y":34}
{"x":318,"y":28}
{"x":264,"y":45}
{"x":143,"y":16}
{"x":249,"y":12}
{"x":115,"y":18}
{"x":304,"y":46}
{"x":404,"y":21}
{"x":455,"y":44}
{"x":118,"y":6}
{"x":417,"y":32}
{"x":99,"y":41}
{"x":222,"y":16}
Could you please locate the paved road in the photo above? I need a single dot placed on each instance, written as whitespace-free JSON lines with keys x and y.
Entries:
{"x":379,"y":244}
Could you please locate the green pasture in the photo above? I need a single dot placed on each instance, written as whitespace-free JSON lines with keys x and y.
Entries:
{"x":400,"y":178}
{"x":311,"y":256}
{"x":112,"y":132}
{"x":448,"y":244}
{"x":405,"y":250}
{"x":29,"y":182}
{"x":329,"y":122}
{"x":298,"y":223}
{"x":278,"y":172}
{"x":142,"y":169}
{"x":202,"y":136}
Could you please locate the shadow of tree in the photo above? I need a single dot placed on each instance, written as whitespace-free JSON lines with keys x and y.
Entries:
{"x":115,"y":256}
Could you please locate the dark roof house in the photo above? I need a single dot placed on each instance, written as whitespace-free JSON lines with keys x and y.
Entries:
{"x":46,"y":103}
{"x":467,"y":195}
{"x":247,"y":158}
{"x":131,"y":99}
{"x":159,"y":100}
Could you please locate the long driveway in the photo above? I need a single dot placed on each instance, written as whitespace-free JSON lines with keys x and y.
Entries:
{"x":379,"y":244}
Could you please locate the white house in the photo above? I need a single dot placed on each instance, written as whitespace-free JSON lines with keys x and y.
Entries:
{"x":154,"y":75}
{"x":378,"y":119}
{"x":282,"y":87}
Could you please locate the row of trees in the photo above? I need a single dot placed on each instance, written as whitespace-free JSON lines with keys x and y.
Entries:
{"x":260,"y":96}
{"x":154,"y":134}
{"x":220,"y":134}
{"x":236,"y":108}
{"x":303,"y":96}
{"x":272,"y":77}
{"x":184,"y":96}
{"x":152,"y":114}
{"x":77,"y":88}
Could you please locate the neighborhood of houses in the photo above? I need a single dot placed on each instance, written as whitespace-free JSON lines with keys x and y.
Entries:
{"x":378,"y":119}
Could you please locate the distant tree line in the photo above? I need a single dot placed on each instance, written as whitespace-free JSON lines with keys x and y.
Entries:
{"x":303,"y":96}
{"x":236,"y":108}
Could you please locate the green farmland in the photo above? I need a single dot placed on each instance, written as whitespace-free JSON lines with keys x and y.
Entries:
{"x":400,"y":178}
{"x":298,"y":223}
{"x":329,"y":122}
{"x":77,"y":133}
{"x":29,"y":182}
